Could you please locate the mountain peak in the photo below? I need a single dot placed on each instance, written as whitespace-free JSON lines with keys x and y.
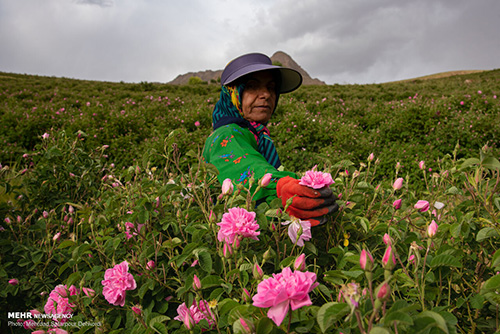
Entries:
{"x":214,"y":76}
{"x":286,"y":61}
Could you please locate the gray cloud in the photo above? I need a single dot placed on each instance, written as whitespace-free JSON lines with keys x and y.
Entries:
{"x":336,"y":41}
{"x":102,"y":3}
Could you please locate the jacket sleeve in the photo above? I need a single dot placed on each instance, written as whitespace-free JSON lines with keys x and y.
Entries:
{"x":233,"y":151}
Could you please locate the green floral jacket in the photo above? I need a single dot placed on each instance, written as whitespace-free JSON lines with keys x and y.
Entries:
{"x":233,"y":151}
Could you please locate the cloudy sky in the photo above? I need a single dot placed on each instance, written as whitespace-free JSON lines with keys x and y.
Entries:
{"x":337,"y":41}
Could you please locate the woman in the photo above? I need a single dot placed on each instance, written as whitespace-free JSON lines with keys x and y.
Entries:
{"x":240,"y":146}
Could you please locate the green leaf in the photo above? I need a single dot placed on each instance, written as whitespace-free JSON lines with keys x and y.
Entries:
{"x":469,"y":162}
{"x":364,"y":222}
{"x":310,"y":247}
{"x":353,"y":273}
{"x":379,"y":330}
{"x":73,"y":278}
{"x":445,"y":260}
{"x":491,"y":288}
{"x":329,"y":313}
{"x":492,"y":284}
{"x":210,"y":281}
{"x":66,"y":243}
{"x":455,"y":230}
{"x":264,"y":326}
{"x":497,"y":202}
{"x":433,"y":319}
{"x":216,"y":294}
{"x":486,"y":233}
{"x":205,"y":261}
{"x":495,"y":261}
{"x":157,"y":324}
{"x":453,"y":191}
{"x":399,"y":317}
{"x":491,"y":163}
{"x":226,"y":305}
{"x":477,"y":302}
{"x":272,"y":213}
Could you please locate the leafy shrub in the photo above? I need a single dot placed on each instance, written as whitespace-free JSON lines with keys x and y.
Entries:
{"x":163,"y":222}
{"x":73,"y":208}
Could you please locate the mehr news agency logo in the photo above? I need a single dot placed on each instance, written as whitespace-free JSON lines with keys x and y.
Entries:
{"x":44,"y":319}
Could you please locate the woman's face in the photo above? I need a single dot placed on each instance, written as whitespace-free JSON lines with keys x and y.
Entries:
{"x":259,"y":97}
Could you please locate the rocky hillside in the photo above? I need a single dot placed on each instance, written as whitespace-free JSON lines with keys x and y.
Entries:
{"x":281,"y":57}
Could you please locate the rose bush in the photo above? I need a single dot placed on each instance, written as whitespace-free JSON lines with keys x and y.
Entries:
{"x":71,"y":212}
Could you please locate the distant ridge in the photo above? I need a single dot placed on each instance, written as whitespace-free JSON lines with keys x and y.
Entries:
{"x":214,"y":76}
{"x":441,"y":75}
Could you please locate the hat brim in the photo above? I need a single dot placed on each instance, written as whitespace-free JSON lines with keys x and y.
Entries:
{"x":290,"y":78}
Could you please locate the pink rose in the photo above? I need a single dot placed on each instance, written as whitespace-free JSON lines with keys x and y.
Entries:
{"x":194,"y":314}
{"x":227,"y":187}
{"x":284,"y":290}
{"x":88,"y":292}
{"x":29,"y":324}
{"x":389,"y":260}
{"x":398,"y":184}
{"x":257,"y":271}
{"x":58,"y":302}
{"x":237,"y":223}
{"x":117,"y":281}
{"x":298,"y":231}
{"x":266,"y":179}
{"x":300,"y":263}
{"x":14,"y":281}
{"x":150,"y":265}
{"x":131,"y":227}
{"x":315,"y":179}
{"x":196,"y":283}
{"x":397,"y":204}
{"x":383,"y":291}
{"x":366,"y":260}
{"x":387,"y":239}
{"x":57,"y":331}
{"x":422,"y":206}
{"x":432,"y":229}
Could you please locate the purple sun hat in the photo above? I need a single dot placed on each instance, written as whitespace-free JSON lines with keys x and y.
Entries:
{"x":255,"y":62}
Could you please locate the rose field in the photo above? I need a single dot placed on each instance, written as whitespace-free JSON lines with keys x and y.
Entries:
{"x":111,"y":222}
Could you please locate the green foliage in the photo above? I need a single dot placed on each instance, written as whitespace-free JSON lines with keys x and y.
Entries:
{"x":118,"y":177}
{"x":196,"y":81}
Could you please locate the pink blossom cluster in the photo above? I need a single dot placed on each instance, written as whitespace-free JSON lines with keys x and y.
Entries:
{"x":237,"y":223}
{"x":58,"y":302}
{"x":131,"y":230}
{"x":284,"y":291}
{"x":117,"y":281}
{"x":193,"y":315}
{"x":315,"y":179}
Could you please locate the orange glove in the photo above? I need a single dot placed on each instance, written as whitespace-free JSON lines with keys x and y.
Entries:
{"x":307,"y":203}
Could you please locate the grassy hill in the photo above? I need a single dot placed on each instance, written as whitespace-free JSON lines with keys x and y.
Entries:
{"x":406,"y":122}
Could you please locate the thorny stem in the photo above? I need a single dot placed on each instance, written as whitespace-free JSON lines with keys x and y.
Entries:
{"x":360,"y":322}
{"x":289,"y":320}
{"x":422,"y":290}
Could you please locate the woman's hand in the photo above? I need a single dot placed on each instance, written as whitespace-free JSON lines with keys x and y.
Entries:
{"x":307,"y":203}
